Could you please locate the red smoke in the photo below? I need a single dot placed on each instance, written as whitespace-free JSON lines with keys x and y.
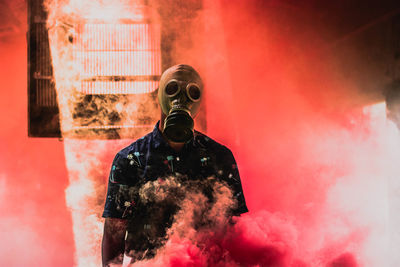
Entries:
{"x":263,"y":240}
{"x":35,"y":224}
{"x":309,"y":159}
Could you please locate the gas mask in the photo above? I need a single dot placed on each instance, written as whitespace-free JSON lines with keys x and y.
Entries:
{"x":179,"y":95}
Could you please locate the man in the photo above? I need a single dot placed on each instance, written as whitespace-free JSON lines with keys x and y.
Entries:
{"x":173,"y":149}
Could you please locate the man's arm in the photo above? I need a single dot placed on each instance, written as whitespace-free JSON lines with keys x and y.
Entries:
{"x":232,"y":177}
{"x":113,"y":244}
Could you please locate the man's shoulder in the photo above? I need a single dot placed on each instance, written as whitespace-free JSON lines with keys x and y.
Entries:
{"x":140,"y":145}
{"x":210,"y":144}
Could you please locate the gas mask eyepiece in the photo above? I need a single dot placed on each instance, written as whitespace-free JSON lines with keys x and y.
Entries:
{"x":179,"y":95}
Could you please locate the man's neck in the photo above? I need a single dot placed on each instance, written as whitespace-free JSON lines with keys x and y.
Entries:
{"x":175,"y":146}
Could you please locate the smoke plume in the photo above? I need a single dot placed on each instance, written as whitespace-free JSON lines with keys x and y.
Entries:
{"x":203,"y":234}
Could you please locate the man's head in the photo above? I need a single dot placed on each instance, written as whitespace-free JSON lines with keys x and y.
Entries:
{"x":179,"y":94}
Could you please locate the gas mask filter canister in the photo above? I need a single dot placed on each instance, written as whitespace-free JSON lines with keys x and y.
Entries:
{"x":179,"y":95}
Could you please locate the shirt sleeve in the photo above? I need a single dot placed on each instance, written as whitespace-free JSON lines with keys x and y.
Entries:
{"x":117,"y":200}
{"x":232,"y":177}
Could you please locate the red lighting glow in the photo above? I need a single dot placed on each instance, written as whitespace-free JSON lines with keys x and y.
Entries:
{"x":318,"y":162}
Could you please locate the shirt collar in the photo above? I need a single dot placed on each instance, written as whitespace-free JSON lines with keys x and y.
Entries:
{"x":158,"y":139}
